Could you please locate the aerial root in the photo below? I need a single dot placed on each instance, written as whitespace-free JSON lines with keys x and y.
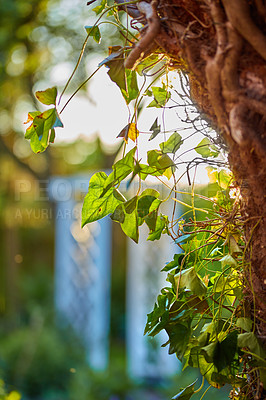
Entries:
{"x":149,"y":10}
{"x":238,"y":14}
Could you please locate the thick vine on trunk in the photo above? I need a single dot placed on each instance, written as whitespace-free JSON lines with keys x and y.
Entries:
{"x":222,"y":46}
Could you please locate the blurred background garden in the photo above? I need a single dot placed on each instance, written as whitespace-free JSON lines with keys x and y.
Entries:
{"x":40,"y":357}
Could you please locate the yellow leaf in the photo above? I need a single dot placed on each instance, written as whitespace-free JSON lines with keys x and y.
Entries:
{"x":133,"y":132}
{"x":129,"y":131}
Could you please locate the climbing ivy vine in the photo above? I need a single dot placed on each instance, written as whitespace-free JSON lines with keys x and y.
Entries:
{"x":201,"y":306}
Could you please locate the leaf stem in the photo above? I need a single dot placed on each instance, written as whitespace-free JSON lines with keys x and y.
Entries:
{"x":78,"y":89}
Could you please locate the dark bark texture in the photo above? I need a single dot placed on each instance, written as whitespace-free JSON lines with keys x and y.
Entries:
{"x":221,"y":44}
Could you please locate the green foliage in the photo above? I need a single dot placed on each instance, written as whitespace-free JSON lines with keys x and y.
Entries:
{"x":41,"y":131}
{"x":125,"y":79}
{"x":172,"y":144}
{"x":206,"y":149}
{"x":96,"y":204}
{"x":201,"y":309}
{"x":160,"y":96}
{"x":94,"y":31}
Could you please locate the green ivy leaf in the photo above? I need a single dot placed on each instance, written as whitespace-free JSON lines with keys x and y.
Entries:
{"x":175,"y":263}
{"x":121,"y":169}
{"x":155,"y":128}
{"x":126,"y":215}
{"x":244,"y":323}
{"x":206,"y":149}
{"x":186,"y":393}
{"x":159,"y":317}
{"x":178,"y":337}
{"x":233,"y":246}
{"x":172,"y":144}
{"x":132,"y":90}
{"x":161,"y":96}
{"x":41,"y":132}
{"x":213,"y":189}
{"x":225,"y":351}
{"x":146,"y":170}
{"x":161,"y":224}
{"x":145,"y":201}
{"x":100,"y":8}
{"x":209,"y":351}
{"x":125,"y":79}
{"x":162,"y":162}
{"x":96,"y":206}
{"x":228,"y":260}
{"x":190,"y":279}
{"x":94,"y":32}
{"x":47,"y":96}
{"x":250,"y":340}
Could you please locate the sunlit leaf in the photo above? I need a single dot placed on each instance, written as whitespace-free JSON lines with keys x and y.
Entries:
{"x":94,"y":32}
{"x":126,"y":215}
{"x":213,"y":189}
{"x":229,"y":285}
{"x":172,"y":144}
{"x":133,"y":132}
{"x":206,"y":149}
{"x":31,"y":116}
{"x":100,"y":8}
{"x":146,"y":64}
{"x":130,"y":131}
{"x":224,"y":178}
{"x":121,"y":169}
{"x":47,"y":96}
{"x":96,"y":206}
{"x":161,"y":95}
{"x":146,"y":170}
{"x":41,"y":132}
{"x":162,"y":162}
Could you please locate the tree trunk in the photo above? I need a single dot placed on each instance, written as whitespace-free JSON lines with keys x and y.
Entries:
{"x":221,"y":44}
